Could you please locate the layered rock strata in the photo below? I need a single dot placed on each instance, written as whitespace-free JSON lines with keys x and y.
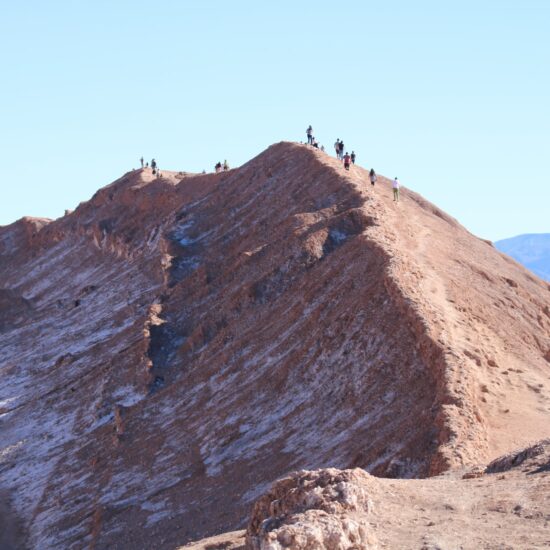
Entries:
{"x":174,"y":345}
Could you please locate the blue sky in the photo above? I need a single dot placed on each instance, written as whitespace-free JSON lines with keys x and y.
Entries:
{"x":452,"y":98}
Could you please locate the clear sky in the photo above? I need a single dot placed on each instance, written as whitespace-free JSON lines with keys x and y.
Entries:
{"x":452,"y":97}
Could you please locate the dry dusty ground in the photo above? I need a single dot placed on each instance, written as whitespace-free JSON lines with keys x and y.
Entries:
{"x":508,"y":508}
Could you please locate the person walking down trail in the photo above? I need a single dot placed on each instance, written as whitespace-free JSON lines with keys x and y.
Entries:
{"x":337,"y":148}
{"x":372,"y":176}
{"x":341,"y":150}
{"x":225,"y":166}
{"x":141,"y":160}
{"x":353,"y":157}
{"x":154,"y":166}
{"x":347,"y":160}
{"x":218,"y":167}
{"x":309,"y":133}
{"x":396,"y":186}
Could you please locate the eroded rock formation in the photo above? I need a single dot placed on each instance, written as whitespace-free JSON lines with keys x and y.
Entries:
{"x":174,"y":345}
{"x":310,"y":510}
{"x":503,"y":505}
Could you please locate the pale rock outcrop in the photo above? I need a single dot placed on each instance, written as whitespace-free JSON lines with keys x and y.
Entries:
{"x":323,"y":509}
{"x":503,"y":505}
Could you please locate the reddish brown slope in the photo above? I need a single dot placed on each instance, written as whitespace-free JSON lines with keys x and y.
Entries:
{"x":490,"y":317}
{"x":193,"y":339}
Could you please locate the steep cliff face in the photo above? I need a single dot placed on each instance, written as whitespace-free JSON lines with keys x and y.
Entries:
{"x":176,"y":344}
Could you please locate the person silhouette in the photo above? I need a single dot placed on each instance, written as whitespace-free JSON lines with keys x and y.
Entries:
{"x":396,"y":186}
{"x":309,"y":133}
{"x":347,"y":160}
{"x":372,"y":176}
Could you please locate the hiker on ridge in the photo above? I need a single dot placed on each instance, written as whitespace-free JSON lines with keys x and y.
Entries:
{"x":347,"y":160}
{"x":341,"y":157}
{"x":225,"y":166}
{"x":218,"y":167}
{"x":309,"y":133}
{"x":396,"y":185}
{"x":337,"y":148}
{"x":372,"y":176}
{"x":141,"y":160}
{"x":153,"y":164}
{"x":353,"y":157}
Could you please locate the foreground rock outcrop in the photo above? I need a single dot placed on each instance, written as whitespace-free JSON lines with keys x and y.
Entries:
{"x":320,"y":509}
{"x":351,"y":510}
{"x":174,"y":345}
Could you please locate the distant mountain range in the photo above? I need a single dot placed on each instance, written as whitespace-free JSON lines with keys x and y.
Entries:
{"x":532,"y":250}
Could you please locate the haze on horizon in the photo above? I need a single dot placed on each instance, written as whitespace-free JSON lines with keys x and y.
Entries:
{"x":452,"y":99}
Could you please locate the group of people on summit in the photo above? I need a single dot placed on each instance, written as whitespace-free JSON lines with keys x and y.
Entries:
{"x":154,"y":166}
{"x":339,"y":148}
{"x":311,"y":139}
{"x":219,"y":167}
{"x":348,"y":160}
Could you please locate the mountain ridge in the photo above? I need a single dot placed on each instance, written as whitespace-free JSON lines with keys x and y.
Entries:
{"x":221,"y":330}
{"x":531,"y":250}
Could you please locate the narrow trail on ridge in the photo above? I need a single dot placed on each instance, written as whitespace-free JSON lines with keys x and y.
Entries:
{"x":482,"y":370}
{"x":428,"y":252}
{"x":408,"y":239}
